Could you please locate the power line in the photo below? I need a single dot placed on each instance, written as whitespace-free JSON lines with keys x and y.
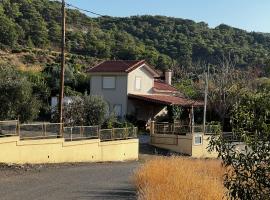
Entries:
{"x":81,"y":9}
{"x":89,"y":11}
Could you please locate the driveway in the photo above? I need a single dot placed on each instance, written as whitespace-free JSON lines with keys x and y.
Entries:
{"x":80,"y":181}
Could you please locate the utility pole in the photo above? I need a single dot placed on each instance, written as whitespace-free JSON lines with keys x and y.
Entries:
{"x":62,"y":74}
{"x":205,"y":98}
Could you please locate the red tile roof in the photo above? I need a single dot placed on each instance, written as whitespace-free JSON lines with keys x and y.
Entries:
{"x":125,"y":66}
{"x":164,"y":86}
{"x":167,"y":100}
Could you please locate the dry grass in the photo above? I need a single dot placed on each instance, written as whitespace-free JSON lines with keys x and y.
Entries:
{"x":177,"y":178}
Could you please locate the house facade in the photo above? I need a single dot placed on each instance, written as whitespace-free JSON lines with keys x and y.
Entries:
{"x":135,"y":88}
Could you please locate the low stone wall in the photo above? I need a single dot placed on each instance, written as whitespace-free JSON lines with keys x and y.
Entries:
{"x":183,"y":144}
{"x":178,"y":143}
{"x":12,"y":150}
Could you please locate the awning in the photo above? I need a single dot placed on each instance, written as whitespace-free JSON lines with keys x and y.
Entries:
{"x":167,"y":100}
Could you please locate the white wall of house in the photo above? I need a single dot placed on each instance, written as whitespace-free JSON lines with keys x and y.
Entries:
{"x":145,"y":78}
{"x":116,"y":97}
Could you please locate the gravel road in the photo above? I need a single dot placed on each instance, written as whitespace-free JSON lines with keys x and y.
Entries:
{"x":79,"y":181}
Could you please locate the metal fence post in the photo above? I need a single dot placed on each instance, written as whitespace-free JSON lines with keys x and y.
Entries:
{"x":71,"y":131}
{"x":18,"y":129}
{"x":98,"y":132}
{"x":44,"y":129}
{"x":112,"y":133}
{"x":152,"y":127}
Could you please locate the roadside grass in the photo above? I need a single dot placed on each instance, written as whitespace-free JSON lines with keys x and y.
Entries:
{"x":178,"y":178}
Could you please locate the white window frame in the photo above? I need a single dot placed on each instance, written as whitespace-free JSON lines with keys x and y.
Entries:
{"x":201,"y":139}
{"x":120,"y":114}
{"x":111,"y":85}
{"x":140,"y":83}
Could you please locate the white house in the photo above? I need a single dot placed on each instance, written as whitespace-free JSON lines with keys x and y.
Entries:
{"x":134,"y":87}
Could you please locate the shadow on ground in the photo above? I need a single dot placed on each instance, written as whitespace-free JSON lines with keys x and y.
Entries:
{"x":127,"y":194}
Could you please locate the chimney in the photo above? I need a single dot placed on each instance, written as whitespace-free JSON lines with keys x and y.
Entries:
{"x":168,"y":76}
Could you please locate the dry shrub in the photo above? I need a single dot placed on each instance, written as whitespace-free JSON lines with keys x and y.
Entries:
{"x":177,"y":178}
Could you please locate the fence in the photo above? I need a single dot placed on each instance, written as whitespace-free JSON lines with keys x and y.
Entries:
{"x":8,"y":128}
{"x":81,"y":132}
{"x":118,"y":133}
{"x":39,"y":131}
{"x":52,"y":130}
{"x":179,"y":129}
{"x":171,"y":128}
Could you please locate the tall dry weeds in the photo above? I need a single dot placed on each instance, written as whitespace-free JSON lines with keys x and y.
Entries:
{"x":178,"y":178}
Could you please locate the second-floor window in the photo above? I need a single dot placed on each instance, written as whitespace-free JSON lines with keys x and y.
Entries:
{"x":138,"y":81}
{"x":108,"y":82}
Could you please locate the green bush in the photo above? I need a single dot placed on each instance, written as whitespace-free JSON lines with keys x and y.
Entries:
{"x":16,"y":96}
{"x":84,"y":110}
{"x":248,"y":168}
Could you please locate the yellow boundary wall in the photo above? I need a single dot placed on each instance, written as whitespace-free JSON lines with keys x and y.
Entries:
{"x":12,"y":150}
{"x":183,"y":144}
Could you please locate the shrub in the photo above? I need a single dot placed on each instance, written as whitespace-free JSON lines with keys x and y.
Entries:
{"x":178,"y":178}
{"x":16,"y":96}
{"x":84,"y":110}
{"x":248,"y":174}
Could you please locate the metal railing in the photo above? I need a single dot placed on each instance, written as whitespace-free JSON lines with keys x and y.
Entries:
{"x":9,"y":128}
{"x":118,"y":133}
{"x":52,"y":130}
{"x":81,"y":132}
{"x":39,"y":131}
{"x":179,"y":129}
{"x":171,"y":128}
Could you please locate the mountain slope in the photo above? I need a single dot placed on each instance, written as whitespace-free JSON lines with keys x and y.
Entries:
{"x":162,"y":41}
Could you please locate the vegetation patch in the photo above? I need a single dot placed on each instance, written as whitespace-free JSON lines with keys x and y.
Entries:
{"x":180,"y":178}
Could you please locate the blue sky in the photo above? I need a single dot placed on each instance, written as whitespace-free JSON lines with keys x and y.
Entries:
{"x":251,"y":15}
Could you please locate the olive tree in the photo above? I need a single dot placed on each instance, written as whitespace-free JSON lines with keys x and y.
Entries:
{"x":247,"y":162}
{"x":16,"y":96}
{"x":85,"y":110}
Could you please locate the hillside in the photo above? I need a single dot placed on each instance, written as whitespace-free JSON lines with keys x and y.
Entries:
{"x":162,"y":41}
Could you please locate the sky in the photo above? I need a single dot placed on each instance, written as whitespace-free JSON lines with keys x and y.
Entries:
{"x":250,"y":15}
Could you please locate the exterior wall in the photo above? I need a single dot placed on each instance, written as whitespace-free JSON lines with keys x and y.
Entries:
{"x":58,"y":151}
{"x":115,"y":96}
{"x":178,"y":143}
{"x":147,"y":81}
{"x":183,"y":144}
{"x":200,"y":151}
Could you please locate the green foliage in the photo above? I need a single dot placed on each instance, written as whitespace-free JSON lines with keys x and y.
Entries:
{"x":187,"y":87}
{"x":162,"y":41}
{"x":16,"y":96}
{"x":84,"y":110}
{"x":248,"y":170}
{"x":8,"y":32}
{"x":175,"y":112}
{"x":95,"y":110}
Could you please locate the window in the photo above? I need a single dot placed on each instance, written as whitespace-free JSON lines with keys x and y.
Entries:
{"x":108,"y":82}
{"x":197,"y":139}
{"x":117,"y":110}
{"x":138,"y":83}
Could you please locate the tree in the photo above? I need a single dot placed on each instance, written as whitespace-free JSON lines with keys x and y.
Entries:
{"x":95,"y":109}
{"x":54,"y":33}
{"x":84,"y":110}
{"x":16,"y":96}
{"x":8,"y":32}
{"x":248,"y":167}
{"x":225,"y":81}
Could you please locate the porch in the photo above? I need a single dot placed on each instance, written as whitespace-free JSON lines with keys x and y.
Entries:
{"x":155,"y":107}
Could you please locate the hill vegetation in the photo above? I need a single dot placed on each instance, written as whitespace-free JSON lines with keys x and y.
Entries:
{"x":163,"y":41}
{"x":30,"y":37}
